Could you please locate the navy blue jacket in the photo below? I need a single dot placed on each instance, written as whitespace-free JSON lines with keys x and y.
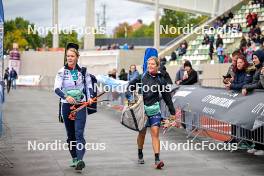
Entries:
{"x":241,"y":78}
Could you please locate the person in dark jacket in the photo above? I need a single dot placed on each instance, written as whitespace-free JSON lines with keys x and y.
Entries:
{"x":190,"y":76}
{"x":164,"y":72}
{"x":123,"y":75}
{"x":7,"y":79}
{"x":241,"y":76}
{"x":153,"y":84}
{"x":230,"y":72}
{"x":13,"y":77}
{"x":219,"y":41}
{"x":258,"y":59}
{"x":262,"y":76}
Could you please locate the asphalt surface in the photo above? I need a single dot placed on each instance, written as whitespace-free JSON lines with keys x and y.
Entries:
{"x":31,"y":115}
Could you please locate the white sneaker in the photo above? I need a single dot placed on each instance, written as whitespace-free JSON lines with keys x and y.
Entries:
{"x":259,"y":153}
{"x":251,"y":151}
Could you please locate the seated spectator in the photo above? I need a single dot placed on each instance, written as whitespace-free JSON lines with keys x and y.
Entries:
{"x":241,"y":76}
{"x":179,"y":74}
{"x":229,"y":77}
{"x":220,"y":53}
{"x":133,"y":73}
{"x":123,"y":75}
{"x":185,"y":43}
{"x":190,"y":76}
{"x":258,"y":58}
{"x":182,"y":49}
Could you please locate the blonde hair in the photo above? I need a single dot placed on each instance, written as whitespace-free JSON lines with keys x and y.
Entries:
{"x":156,"y":60}
{"x":75,"y":51}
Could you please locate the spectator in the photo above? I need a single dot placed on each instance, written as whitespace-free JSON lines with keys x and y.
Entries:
{"x":262,"y":76}
{"x":179,"y":74}
{"x":211,"y":50}
{"x":249,"y":52}
{"x":257,"y":83}
{"x":131,"y":47}
{"x":173,"y":56}
{"x":230,"y":15}
{"x":249,"y":20}
{"x":220,"y":53}
{"x":112,"y":73}
{"x":6,"y":75}
{"x":164,"y":72}
{"x":185,"y":43}
{"x":258,"y":58}
{"x":8,"y":79}
{"x":243,"y":42}
{"x":211,"y":39}
{"x":182,"y":49}
{"x":13,"y":77}
{"x":190,"y":76}
{"x":206,"y":40}
{"x":125,"y":46}
{"x":123,"y":75}
{"x":257,"y":30}
{"x":133,"y":73}
{"x":229,"y":77}
{"x":219,"y":41}
{"x":241,"y":77}
{"x":258,"y":40}
{"x":254,"y":20}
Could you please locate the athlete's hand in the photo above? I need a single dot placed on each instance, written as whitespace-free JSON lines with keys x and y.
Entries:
{"x":70,"y":100}
{"x":244,"y":92}
{"x":90,"y":101}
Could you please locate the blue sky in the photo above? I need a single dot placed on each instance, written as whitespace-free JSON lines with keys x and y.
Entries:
{"x":72,"y":12}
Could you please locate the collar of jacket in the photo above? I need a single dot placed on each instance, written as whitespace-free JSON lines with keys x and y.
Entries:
{"x":77,"y":67}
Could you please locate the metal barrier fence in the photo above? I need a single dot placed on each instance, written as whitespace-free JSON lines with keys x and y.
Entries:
{"x":196,"y":124}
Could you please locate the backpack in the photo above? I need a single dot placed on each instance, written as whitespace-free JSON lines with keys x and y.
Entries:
{"x":93,"y":92}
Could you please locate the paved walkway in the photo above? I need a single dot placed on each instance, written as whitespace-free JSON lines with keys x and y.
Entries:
{"x":32,"y":115}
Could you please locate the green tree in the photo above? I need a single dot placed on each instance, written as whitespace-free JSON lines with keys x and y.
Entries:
{"x":16,"y":31}
{"x":65,"y":38}
{"x":123,"y":30}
